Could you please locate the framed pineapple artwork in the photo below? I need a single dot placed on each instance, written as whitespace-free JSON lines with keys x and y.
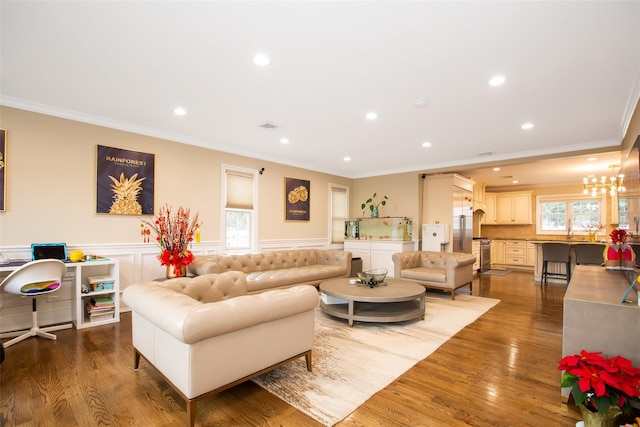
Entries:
{"x":3,"y":169}
{"x":125,"y":182}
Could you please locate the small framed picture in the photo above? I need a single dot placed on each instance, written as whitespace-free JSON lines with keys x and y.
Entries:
{"x":297,"y":199}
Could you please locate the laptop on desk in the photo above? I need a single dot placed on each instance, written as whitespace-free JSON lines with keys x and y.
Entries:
{"x":49,"y":251}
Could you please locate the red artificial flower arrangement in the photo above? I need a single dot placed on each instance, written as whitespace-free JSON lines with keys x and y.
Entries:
{"x":174,"y":233}
{"x":618,"y":236}
{"x":599,"y":382}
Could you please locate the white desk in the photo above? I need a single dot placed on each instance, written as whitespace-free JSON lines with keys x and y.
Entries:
{"x":12,"y":306}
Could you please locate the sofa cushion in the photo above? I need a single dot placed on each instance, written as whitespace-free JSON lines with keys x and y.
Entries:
{"x":267,"y":279}
{"x":425,"y":274}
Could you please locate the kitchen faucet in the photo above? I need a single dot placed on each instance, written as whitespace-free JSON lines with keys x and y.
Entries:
{"x":569,"y":232}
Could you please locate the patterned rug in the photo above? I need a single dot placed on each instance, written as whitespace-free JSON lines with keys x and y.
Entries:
{"x":352,"y":364}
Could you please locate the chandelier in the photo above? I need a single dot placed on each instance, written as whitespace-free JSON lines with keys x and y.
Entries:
{"x":615,"y":184}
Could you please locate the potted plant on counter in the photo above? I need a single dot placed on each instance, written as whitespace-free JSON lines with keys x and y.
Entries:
{"x":373,"y":203}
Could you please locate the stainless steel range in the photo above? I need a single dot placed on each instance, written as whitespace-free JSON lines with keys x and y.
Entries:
{"x":485,"y":255}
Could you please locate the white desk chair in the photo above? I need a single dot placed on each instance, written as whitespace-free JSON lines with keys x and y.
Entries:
{"x":34,"y":279}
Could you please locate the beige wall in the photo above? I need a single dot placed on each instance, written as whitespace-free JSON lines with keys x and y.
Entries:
{"x":401,"y":189}
{"x":51,"y":184}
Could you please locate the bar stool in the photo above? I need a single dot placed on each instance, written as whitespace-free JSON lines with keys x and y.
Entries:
{"x":556,"y":253}
{"x":589,"y":253}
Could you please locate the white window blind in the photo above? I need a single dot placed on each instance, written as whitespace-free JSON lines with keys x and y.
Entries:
{"x":339,"y":212}
{"x":239,"y":191}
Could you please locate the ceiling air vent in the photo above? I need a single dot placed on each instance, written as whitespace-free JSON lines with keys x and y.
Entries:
{"x":268,"y":125}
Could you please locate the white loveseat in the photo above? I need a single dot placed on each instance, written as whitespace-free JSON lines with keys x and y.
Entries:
{"x":439,"y":270}
{"x":205,"y":334}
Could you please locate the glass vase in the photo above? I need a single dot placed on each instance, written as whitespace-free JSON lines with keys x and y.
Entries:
{"x":599,"y":419}
{"x":374,"y":212}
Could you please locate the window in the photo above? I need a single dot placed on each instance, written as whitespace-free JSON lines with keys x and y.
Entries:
{"x":239,"y":231}
{"x":338,"y":211}
{"x":569,"y":214}
{"x":623,"y":214}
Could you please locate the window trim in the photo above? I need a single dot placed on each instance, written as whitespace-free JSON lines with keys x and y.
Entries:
{"x":568,"y":198}
{"x":253,"y":240}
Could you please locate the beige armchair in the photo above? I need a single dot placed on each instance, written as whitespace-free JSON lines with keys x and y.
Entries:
{"x":438,"y":270}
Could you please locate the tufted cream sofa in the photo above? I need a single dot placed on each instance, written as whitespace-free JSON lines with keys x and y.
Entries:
{"x":439,"y":270}
{"x":205,"y":334}
{"x":278,"y":269}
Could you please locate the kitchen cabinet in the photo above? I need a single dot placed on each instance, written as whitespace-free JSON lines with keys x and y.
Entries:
{"x":475,"y":250}
{"x":377,"y":254}
{"x":515,"y":252}
{"x":531,"y":254}
{"x":514,"y":208}
{"x":497,"y":251}
{"x":490,"y":209}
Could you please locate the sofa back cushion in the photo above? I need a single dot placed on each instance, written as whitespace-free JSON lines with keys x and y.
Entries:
{"x":210,"y":287}
{"x":434,"y":259}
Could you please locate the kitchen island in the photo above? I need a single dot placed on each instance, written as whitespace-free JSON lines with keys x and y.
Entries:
{"x":595,"y":318}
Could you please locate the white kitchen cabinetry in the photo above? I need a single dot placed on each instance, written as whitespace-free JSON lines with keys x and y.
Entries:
{"x":377,"y":254}
{"x":490,"y":209}
{"x":514,"y":208}
{"x":531,"y":254}
{"x":497,"y":251}
{"x":515,"y":252}
{"x":475,"y":250}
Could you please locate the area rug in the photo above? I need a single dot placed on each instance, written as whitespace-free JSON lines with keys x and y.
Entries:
{"x":497,"y":272}
{"x":352,"y":364}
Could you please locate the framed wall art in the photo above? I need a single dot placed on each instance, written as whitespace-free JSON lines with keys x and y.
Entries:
{"x":125,"y":182}
{"x":297,"y":199}
{"x":3,"y":169}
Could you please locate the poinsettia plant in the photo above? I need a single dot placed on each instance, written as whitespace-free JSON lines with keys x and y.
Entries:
{"x":599,"y":382}
{"x":174,"y":232}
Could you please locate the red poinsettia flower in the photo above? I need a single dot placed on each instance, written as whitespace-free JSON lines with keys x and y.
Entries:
{"x":600,"y":382}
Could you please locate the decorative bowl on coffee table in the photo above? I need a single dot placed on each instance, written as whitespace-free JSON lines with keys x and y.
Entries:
{"x":373,"y":277}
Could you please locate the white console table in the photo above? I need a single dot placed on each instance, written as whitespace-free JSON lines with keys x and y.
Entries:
{"x":377,"y":253}
{"x":16,"y":309}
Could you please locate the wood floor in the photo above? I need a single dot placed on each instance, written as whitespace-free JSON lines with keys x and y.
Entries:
{"x":499,"y":371}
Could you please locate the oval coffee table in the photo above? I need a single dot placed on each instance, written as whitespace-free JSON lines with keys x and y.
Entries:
{"x":397,"y":301}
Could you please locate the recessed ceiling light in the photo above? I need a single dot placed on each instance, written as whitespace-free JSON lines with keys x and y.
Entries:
{"x":515,"y":181}
{"x":496,"y":169}
{"x":426,"y":144}
{"x":497,"y":80}
{"x":347,"y":159}
{"x":420,"y":103}
{"x":592,"y":159}
{"x":527,"y":126}
{"x":284,"y":140}
{"x":371,"y":115}
{"x":179,"y":111}
{"x":261,"y":60}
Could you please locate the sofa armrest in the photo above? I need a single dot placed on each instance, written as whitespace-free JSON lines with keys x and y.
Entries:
{"x":190,"y":321}
{"x":206,"y":264}
{"x":404,"y":260}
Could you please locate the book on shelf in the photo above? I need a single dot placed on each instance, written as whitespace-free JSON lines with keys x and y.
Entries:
{"x":104,"y":315}
{"x":91,"y":308}
{"x":102,"y":300}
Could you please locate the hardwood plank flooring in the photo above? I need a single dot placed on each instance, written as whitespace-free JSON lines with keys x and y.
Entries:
{"x":498,"y":371}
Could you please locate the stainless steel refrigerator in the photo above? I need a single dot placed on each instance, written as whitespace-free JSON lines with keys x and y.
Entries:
{"x":462,"y":220}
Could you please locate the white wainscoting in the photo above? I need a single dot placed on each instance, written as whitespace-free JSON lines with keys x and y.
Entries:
{"x":138,"y":263}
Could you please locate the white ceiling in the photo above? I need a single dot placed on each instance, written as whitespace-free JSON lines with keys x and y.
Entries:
{"x":572,"y":69}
